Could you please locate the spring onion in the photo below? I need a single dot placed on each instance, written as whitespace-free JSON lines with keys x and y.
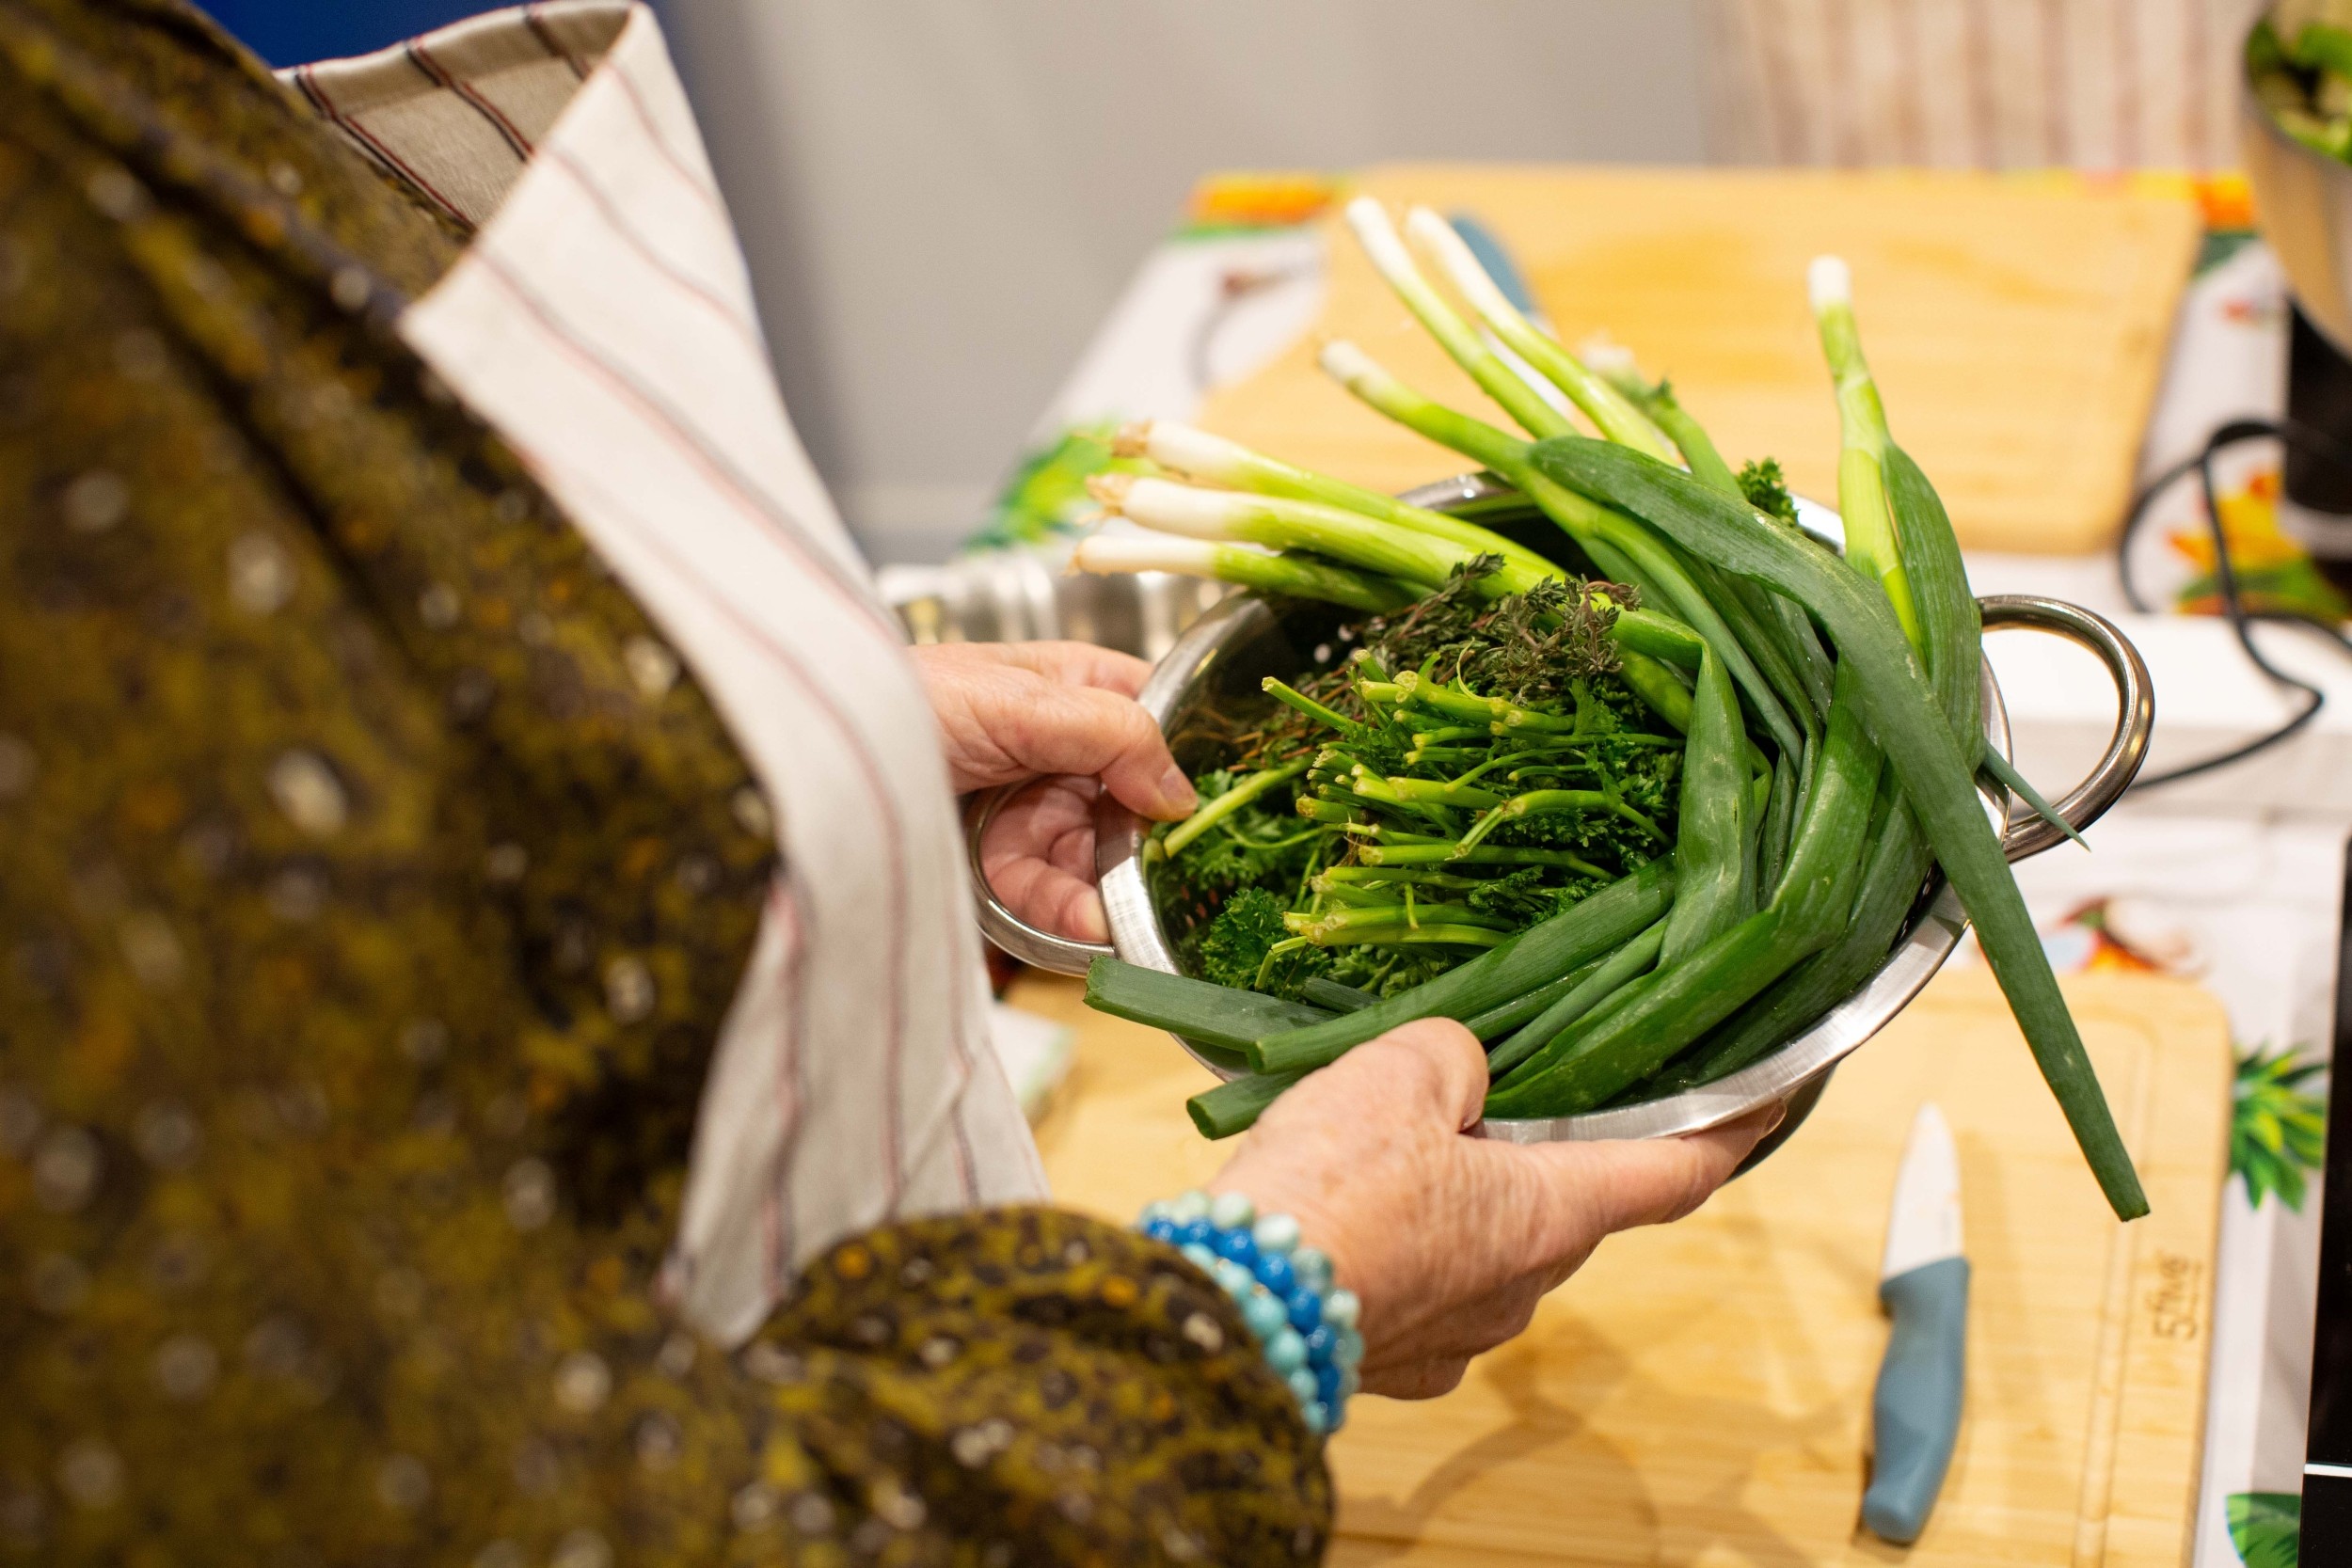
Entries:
{"x":1471,"y":817}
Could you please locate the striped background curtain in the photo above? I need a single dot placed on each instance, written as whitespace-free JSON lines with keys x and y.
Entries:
{"x":1976,"y":84}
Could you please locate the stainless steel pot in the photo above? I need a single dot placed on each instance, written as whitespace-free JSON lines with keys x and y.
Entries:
{"x":1010,"y":595}
{"x":1224,"y":655}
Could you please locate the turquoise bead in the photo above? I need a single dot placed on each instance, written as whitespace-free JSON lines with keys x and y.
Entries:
{"x":1318,"y":1418}
{"x":1156,"y":1209}
{"x":1231,"y":1211}
{"x":1312,"y":1269}
{"x":1274,"y":1273}
{"x":1238,"y":1282}
{"x":1340,"y":1310}
{"x":1275,"y":1233}
{"x":1200,"y":1257}
{"x":1237,"y":1245}
{"x":1350,"y":1350}
{"x":1286,"y":1353}
{"x":1302,"y":1383}
{"x":1265,"y":1314}
{"x":1350,"y":1381}
{"x":1192,"y":1206}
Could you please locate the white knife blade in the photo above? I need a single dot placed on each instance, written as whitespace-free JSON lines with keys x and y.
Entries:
{"x":1915,"y":1407}
{"x":1924,"y":1226}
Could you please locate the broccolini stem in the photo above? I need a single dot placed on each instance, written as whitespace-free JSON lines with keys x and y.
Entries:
{"x":1484,"y":854}
{"x":1212,"y":812}
{"x":1290,"y":697}
{"x":1320,"y":928}
{"x":1537,"y":802}
{"x":1443,"y":792}
{"x":1345,"y":876}
{"x":1427,"y":936}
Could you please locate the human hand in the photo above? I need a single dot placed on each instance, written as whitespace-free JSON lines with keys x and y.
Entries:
{"x":1010,"y":711}
{"x":1450,"y":1241}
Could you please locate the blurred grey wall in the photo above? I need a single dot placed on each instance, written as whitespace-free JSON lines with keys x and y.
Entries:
{"x":941,"y":198}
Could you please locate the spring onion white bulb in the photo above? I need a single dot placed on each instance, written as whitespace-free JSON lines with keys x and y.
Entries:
{"x":1476,"y":439}
{"x":1385,"y":250}
{"x":1369,"y":221}
{"x":1606,"y":355}
{"x":1608,"y":408}
{"x":1244,"y":565}
{"x":1194,"y":453}
{"x":1829,"y":282}
{"x":1172,"y":508}
{"x":1230,"y":517}
{"x":1209,"y":459}
{"x":1443,"y":244}
{"x":1351,"y":368}
{"x":1107,"y":553}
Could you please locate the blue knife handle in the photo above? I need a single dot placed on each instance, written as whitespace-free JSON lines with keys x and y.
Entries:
{"x":1495,"y":260}
{"x":1914,"y":1414}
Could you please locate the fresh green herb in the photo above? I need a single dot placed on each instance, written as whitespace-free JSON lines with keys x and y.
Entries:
{"x":1491,"y":745}
{"x":1239,"y":942}
{"x":1765,"y":490}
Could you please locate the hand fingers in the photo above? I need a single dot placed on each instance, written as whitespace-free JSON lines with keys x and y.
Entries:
{"x":1082,"y":729}
{"x":1081,"y":664}
{"x":1050,"y":898}
{"x":1010,"y":711}
{"x":1389,"y":1089}
{"x":1463,"y":1329}
{"x":1053,"y":820}
{"x":1419,"y":1380}
{"x":1072,"y":663}
{"x":1039,"y":857}
{"x":1616,"y":1186}
{"x":1432,"y":1064}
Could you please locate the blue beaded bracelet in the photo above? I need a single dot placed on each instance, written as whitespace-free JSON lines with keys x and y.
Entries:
{"x":1305,"y":1324}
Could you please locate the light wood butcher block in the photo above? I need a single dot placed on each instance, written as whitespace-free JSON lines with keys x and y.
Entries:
{"x":2017,"y":325}
{"x":1699,"y":1394}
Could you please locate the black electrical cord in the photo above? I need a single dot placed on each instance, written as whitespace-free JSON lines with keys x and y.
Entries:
{"x":2310,"y":442}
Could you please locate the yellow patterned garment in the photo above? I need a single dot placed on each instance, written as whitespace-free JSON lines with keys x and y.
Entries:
{"x":372,"y":889}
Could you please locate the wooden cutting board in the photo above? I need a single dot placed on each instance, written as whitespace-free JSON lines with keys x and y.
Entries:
{"x":1699,"y":1394}
{"x":2017,"y":325}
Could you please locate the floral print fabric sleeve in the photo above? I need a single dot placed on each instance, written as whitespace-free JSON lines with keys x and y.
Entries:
{"x":372,"y":884}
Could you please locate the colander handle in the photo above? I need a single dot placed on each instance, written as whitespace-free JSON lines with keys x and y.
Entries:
{"x":1007,"y":930}
{"x":2135,"y":718}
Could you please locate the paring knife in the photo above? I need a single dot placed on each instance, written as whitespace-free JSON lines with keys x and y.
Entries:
{"x":1923,"y":1283}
